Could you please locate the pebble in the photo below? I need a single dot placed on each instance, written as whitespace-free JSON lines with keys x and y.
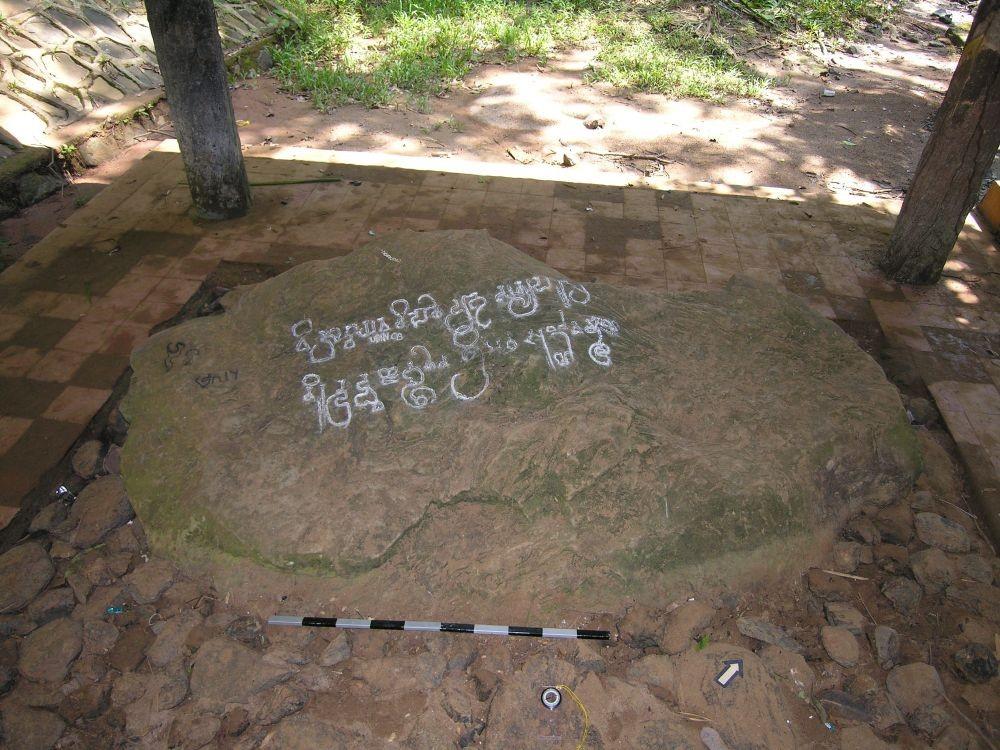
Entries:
{"x":844,"y":615}
{"x":848,"y":555}
{"x":338,"y":650}
{"x":922,"y":411}
{"x":24,"y":571}
{"x":25,"y":727}
{"x":895,"y":524}
{"x":87,"y":458}
{"x":975,"y":663}
{"x":933,"y":569}
{"x":913,"y":686}
{"x":593,"y":122}
{"x":829,"y":587}
{"x":764,"y":631}
{"x":861,"y":529}
{"x":903,"y":593}
{"x":886,"y":643}
{"x":841,"y":645}
{"x":929,"y":721}
{"x":892,"y":559}
{"x":943,"y":533}
{"x":976,"y":568}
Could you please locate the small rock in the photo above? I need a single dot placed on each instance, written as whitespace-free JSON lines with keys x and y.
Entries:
{"x":841,"y":645}
{"x":99,"y":637}
{"x":87,"y":459}
{"x":885,"y":713}
{"x":336,"y":651}
{"x":170,"y":644}
{"x":929,"y":721}
{"x":861,"y":529}
{"x":24,"y":571}
{"x":88,"y":701}
{"x":975,"y":663}
{"x":193,"y":732}
{"x":683,"y":625}
{"x":903,"y":593}
{"x":113,"y":460}
{"x":129,"y":651}
{"x":913,"y":686}
{"x":593,"y":122}
{"x":933,"y":569}
{"x":225,"y":672}
{"x":248,"y":630}
{"x":48,"y":652}
{"x":711,"y":739}
{"x":829,"y":587}
{"x":844,"y":615}
{"x":235,"y":721}
{"x":33,"y":187}
{"x":886,"y":643}
{"x":274,"y":705}
{"x":976,"y":631}
{"x":895,"y":524}
{"x":568,"y":157}
{"x":790,"y":666}
{"x":147,"y":583}
{"x":117,"y":427}
{"x":829,"y":92}
{"x":977,"y":597}
{"x":892,"y":559}
{"x":848,"y":555}
{"x":101,"y":507}
{"x":49,"y":517}
{"x":943,"y":533}
{"x":765,"y":632}
{"x":25,"y":727}
{"x":845,"y":706}
{"x":923,"y":500}
{"x":922,"y":411}
{"x":264,"y":60}
{"x":95,"y":151}
{"x":975,"y":568}
{"x":50,"y":605}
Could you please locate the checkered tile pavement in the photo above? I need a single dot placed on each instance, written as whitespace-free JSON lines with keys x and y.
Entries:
{"x":74,"y":307}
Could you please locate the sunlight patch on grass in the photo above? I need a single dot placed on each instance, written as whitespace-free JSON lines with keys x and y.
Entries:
{"x":374,"y":52}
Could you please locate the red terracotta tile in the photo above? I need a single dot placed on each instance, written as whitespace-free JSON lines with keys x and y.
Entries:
{"x":150,"y":312}
{"x":134,"y":286}
{"x":57,"y":366}
{"x":70,"y":306}
{"x":77,"y":405}
{"x":110,"y":310}
{"x":11,"y":324}
{"x":177,"y":291}
{"x":85,"y":337}
{"x":15,"y":360}
{"x":11,"y":428}
{"x":125,"y":338}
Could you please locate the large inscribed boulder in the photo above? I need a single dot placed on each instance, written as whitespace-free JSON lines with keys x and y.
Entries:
{"x":439,"y":417}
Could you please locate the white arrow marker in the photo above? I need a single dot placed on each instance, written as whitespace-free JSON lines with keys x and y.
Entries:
{"x":733,"y":669}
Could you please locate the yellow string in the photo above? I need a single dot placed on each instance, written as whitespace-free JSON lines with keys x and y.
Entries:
{"x":583,"y":710}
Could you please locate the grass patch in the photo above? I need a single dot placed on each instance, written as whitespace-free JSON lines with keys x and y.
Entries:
{"x":374,"y":52}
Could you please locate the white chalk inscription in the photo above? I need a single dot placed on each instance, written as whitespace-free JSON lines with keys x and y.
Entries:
{"x":479,"y":332}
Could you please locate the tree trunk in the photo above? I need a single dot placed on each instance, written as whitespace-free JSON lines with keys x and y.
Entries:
{"x":954,"y":161}
{"x":186,"y":36}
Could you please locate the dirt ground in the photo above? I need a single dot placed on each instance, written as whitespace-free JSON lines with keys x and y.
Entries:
{"x":865,"y":139}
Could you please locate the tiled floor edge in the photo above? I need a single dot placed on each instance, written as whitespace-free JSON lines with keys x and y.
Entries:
{"x":575,"y":175}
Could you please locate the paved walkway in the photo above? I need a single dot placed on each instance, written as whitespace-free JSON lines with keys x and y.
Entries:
{"x":74,"y":307}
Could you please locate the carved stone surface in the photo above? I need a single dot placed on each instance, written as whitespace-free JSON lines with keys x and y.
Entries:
{"x":439,"y":416}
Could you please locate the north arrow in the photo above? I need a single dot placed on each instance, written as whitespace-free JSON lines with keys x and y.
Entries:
{"x":733,"y":669}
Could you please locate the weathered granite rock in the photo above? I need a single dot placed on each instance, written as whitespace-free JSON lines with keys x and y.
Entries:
{"x":941,"y":532}
{"x":616,"y":438}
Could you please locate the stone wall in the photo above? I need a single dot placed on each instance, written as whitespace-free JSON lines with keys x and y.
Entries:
{"x":62,"y":59}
